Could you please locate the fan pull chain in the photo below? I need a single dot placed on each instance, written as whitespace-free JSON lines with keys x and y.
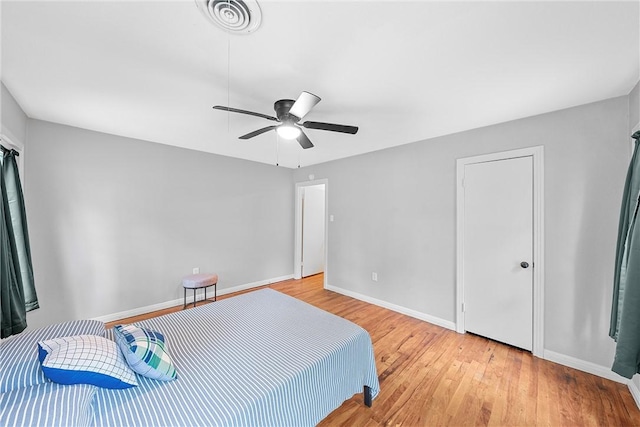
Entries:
{"x":299,"y":151}
{"x":277,"y":150}
{"x":228,"y":71}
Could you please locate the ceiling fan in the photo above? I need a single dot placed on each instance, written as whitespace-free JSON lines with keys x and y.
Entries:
{"x":288,"y":115}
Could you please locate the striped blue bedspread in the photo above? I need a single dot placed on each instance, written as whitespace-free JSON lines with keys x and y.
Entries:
{"x":258,"y":359}
{"x":27,"y":397}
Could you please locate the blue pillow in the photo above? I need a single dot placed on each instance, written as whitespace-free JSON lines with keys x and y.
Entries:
{"x":85,"y":359}
{"x":146,"y":352}
{"x":18,"y":367}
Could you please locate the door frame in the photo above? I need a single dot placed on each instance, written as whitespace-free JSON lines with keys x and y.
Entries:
{"x":297,"y":245}
{"x":537,"y":154}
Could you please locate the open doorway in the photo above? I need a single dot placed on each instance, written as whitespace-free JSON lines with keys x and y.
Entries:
{"x":310,"y":228}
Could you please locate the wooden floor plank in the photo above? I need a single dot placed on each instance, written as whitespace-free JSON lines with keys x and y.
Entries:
{"x":431,"y":376}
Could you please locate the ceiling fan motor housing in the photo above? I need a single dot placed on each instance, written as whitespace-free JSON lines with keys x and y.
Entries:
{"x":282,"y":108}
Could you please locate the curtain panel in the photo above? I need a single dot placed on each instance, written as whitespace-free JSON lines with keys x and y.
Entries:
{"x":17,"y":287}
{"x":625,"y":310}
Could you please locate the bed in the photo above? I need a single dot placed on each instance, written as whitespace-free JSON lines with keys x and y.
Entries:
{"x":261,"y":358}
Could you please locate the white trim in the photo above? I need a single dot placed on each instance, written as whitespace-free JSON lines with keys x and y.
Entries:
{"x":394,"y":307}
{"x":297,"y":246}
{"x":179,"y":301}
{"x":584,"y":366}
{"x":635,"y":392}
{"x":537,"y":153}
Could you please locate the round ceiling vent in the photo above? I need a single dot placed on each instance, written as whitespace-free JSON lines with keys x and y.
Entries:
{"x":235,"y":16}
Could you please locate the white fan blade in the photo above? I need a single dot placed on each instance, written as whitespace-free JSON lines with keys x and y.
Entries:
{"x":305,"y":102}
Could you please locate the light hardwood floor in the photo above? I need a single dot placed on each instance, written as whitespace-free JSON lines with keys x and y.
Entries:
{"x":431,"y":376}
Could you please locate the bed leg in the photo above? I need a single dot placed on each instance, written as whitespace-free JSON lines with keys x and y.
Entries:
{"x":367,"y":396}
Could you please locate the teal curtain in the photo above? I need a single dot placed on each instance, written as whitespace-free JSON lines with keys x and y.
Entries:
{"x":625,"y":308}
{"x":17,"y":288}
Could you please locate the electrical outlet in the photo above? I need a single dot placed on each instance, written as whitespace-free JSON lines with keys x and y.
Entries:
{"x":196,"y":270}
{"x":374,"y":276}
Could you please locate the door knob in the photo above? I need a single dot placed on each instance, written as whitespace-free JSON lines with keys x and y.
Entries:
{"x":524,"y":264}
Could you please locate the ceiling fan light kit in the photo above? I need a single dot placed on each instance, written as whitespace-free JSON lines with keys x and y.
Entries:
{"x":288,"y":114}
{"x":288,"y":131}
{"x":233,"y":16}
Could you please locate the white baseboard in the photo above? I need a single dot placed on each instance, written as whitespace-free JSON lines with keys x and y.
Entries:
{"x":635,"y":391}
{"x":584,"y":366}
{"x":398,"y":308}
{"x":571,"y":362}
{"x":179,"y":301}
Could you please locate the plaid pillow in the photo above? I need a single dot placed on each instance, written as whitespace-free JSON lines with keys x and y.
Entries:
{"x":85,"y":359}
{"x":145,"y":351}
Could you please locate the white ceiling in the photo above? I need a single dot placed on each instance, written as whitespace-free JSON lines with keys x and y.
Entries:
{"x":401,"y":71}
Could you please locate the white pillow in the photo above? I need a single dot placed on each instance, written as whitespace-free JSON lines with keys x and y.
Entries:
{"x":85,"y":359}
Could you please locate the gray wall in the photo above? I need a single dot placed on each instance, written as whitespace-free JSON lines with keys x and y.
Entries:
{"x":14,"y":120}
{"x":116,"y":222}
{"x":394,"y":214}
